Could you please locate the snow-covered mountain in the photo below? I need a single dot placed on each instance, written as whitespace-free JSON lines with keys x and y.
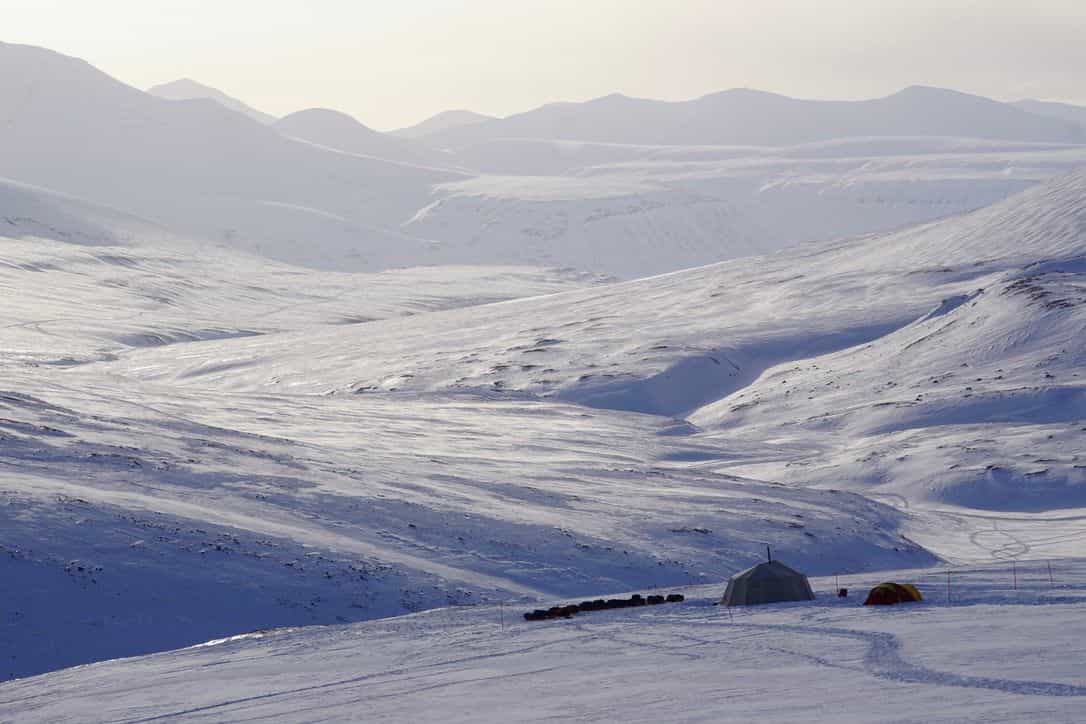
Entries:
{"x":749,"y":117}
{"x":440,"y":122}
{"x":337,"y":130}
{"x":204,"y":170}
{"x":187,"y":89}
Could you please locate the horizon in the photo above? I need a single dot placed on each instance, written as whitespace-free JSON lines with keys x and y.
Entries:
{"x":436,"y":55}
{"x":735,"y":89}
{"x":213,"y":87}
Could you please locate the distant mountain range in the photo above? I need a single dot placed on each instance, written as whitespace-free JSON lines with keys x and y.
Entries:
{"x":731,"y":117}
{"x":640,"y":189}
{"x":750,"y":117}
{"x":202,"y":169}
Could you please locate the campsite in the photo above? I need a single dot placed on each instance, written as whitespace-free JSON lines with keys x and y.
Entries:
{"x":765,"y":583}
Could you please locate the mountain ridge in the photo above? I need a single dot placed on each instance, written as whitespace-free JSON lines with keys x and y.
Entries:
{"x":752,"y":117}
{"x":188,"y":89}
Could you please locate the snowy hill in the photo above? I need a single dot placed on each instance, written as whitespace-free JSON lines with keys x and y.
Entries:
{"x":187,"y":89}
{"x":337,"y":130}
{"x":440,"y":122}
{"x":31,"y":211}
{"x":748,"y":117}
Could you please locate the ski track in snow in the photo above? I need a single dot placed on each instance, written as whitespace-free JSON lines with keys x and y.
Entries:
{"x":884,"y":660}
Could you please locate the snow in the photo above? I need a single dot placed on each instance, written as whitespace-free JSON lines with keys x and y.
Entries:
{"x":994,"y":654}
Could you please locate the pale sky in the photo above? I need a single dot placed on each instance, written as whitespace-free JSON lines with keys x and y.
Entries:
{"x":394,"y":62}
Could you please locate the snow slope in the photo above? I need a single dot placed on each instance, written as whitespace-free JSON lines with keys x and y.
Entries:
{"x":186,"y":89}
{"x":32,"y":211}
{"x":83,"y":281}
{"x":996,"y":655}
{"x":73,"y":304}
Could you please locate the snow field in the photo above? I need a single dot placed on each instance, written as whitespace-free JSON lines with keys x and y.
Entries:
{"x":993,"y":655}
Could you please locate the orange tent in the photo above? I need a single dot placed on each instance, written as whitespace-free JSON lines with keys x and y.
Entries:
{"x":887,"y":594}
